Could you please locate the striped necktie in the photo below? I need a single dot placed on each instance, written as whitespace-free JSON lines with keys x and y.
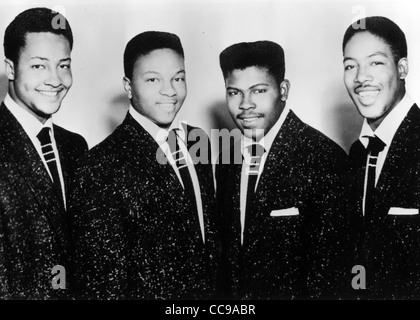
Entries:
{"x":375,"y":146}
{"x":49,"y":156}
{"x":181,"y":164}
{"x":256,"y":152}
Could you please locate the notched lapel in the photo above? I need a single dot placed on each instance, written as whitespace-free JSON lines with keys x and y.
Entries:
{"x":402,"y":155}
{"x":163,"y":175}
{"x":19,"y":148}
{"x":277,"y":168}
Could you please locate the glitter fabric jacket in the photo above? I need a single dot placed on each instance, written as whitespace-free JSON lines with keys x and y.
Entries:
{"x":134,"y":236}
{"x":389,"y":240}
{"x":33,"y":223}
{"x":296,"y":234}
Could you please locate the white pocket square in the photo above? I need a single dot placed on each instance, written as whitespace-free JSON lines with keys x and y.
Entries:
{"x":285,"y":212}
{"x":403,"y":211}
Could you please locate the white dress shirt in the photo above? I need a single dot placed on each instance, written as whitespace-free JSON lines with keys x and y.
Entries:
{"x":160,"y":135}
{"x":266,"y":141}
{"x":32,"y":127}
{"x":385,"y":131}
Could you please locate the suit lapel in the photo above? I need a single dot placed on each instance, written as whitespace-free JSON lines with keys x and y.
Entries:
{"x":19,"y":148}
{"x":357,"y":171}
{"x":275,"y":172}
{"x":63,"y":153}
{"x":205,"y":178}
{"x":401,"y":154}
{"x":149,"y":151}
{"x":277,"y":165}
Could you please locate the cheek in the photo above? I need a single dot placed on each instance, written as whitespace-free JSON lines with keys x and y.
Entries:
{"x":348,"y":80}
{"x":181,"y":89}
{"x":67,"y":79}
{"x":232,"y":106}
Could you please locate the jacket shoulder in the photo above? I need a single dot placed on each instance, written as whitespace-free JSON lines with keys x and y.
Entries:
{"x":315,"y":140}
{"x":68,"y":137}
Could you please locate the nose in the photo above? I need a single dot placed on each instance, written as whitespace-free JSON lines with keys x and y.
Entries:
{"x":363,"y":75}
{"x":247,"y":102}
{"x":167,"y":89}
{"x":54,"y":78}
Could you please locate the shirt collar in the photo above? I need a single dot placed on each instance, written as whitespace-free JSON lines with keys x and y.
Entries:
{"x":159,"y":134}
{"x":268,"y":139}
{"x":389,"y":125}
{"x":30,"y":123}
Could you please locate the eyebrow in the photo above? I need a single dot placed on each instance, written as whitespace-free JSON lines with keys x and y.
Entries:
{"x":156,"y":72}
{"x":378,"y":53}
{"x":46,"y":59}
{"x":250,"y":88}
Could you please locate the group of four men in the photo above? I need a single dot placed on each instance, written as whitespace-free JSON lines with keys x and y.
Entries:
{"x":139,"y":217}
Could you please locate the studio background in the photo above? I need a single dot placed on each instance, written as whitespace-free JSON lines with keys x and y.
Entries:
{"x":310,"y":32}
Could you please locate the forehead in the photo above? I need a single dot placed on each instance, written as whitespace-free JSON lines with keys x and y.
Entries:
{"x":245,"y":78}
{"x":46,"y":44}
{"x":364,"y":44}
{"x":160,"y":60}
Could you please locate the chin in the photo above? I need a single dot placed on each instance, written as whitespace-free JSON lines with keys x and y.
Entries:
{"x":371,"y":112}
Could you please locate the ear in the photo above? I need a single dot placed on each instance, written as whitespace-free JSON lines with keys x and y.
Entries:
{"x":9,"y":69}
{"x":127,"y":87}
{"x":403,"y":68}
{"x":284,"y":90}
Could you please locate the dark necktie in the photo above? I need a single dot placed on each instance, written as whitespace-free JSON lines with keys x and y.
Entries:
{"x":375,"y":146}
{"x":49,"y":156}
{"x":256,"y":151}
{"x":181,"y":164}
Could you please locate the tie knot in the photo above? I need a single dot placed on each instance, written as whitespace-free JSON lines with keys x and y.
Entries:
{"x":172,"y":140}
{"x":44,"y":136}
{"x":375,"y":146}
{"x":256,"y":150}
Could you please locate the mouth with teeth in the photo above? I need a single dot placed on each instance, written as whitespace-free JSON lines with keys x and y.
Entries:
{"x":170,"y":105}
{"x":249,"y":120}
{"x":367,"y":97}
{"x":49,"y":93}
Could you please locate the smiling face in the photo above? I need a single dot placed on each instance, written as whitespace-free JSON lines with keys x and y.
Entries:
{"x":255,"y":100}
{"x":42,"y":77}
{"x":372,"y":78}
{"x":158,"y":88}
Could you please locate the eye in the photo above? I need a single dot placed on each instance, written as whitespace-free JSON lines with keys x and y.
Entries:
{"x":233,"y":93}
{"x":259,"y":91}
{"x":152,"y":80}
{"x":349,"y":67}
{"x":38,"y":66}
{"x":377,"y":63}
{"x":179,"y":79}
{"x":65,"y":66}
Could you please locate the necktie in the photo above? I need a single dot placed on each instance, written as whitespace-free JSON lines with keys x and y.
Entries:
{"x":181,"y":164}
{"x":256,"y":152}
{"x":49,"y":156}
{"x":375,"y":146}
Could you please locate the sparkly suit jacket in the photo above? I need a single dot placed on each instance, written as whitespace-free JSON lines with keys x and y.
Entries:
{"x":134,"y":236}
{"x":389,"y":240}
{"x":33,"y":222}
{"x":286,"y":255}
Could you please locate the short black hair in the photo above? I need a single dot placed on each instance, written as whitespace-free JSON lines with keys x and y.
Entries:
{"x":33,"y":20}
{"x":144,"y":43}
{"x":383,"y":28}
{"x":262,"y":54}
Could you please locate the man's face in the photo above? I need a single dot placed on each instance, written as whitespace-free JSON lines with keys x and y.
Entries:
{"x":42,"y":76}
{"x":372,"y":77}
{"x":255,"y":100}
{"x":158,"y":87}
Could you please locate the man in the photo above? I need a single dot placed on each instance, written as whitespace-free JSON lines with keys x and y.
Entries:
{"x":283,"y":206}
{"x":385,"y":160}
{"x":36,"y":156}
{"x":142,"y":225}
